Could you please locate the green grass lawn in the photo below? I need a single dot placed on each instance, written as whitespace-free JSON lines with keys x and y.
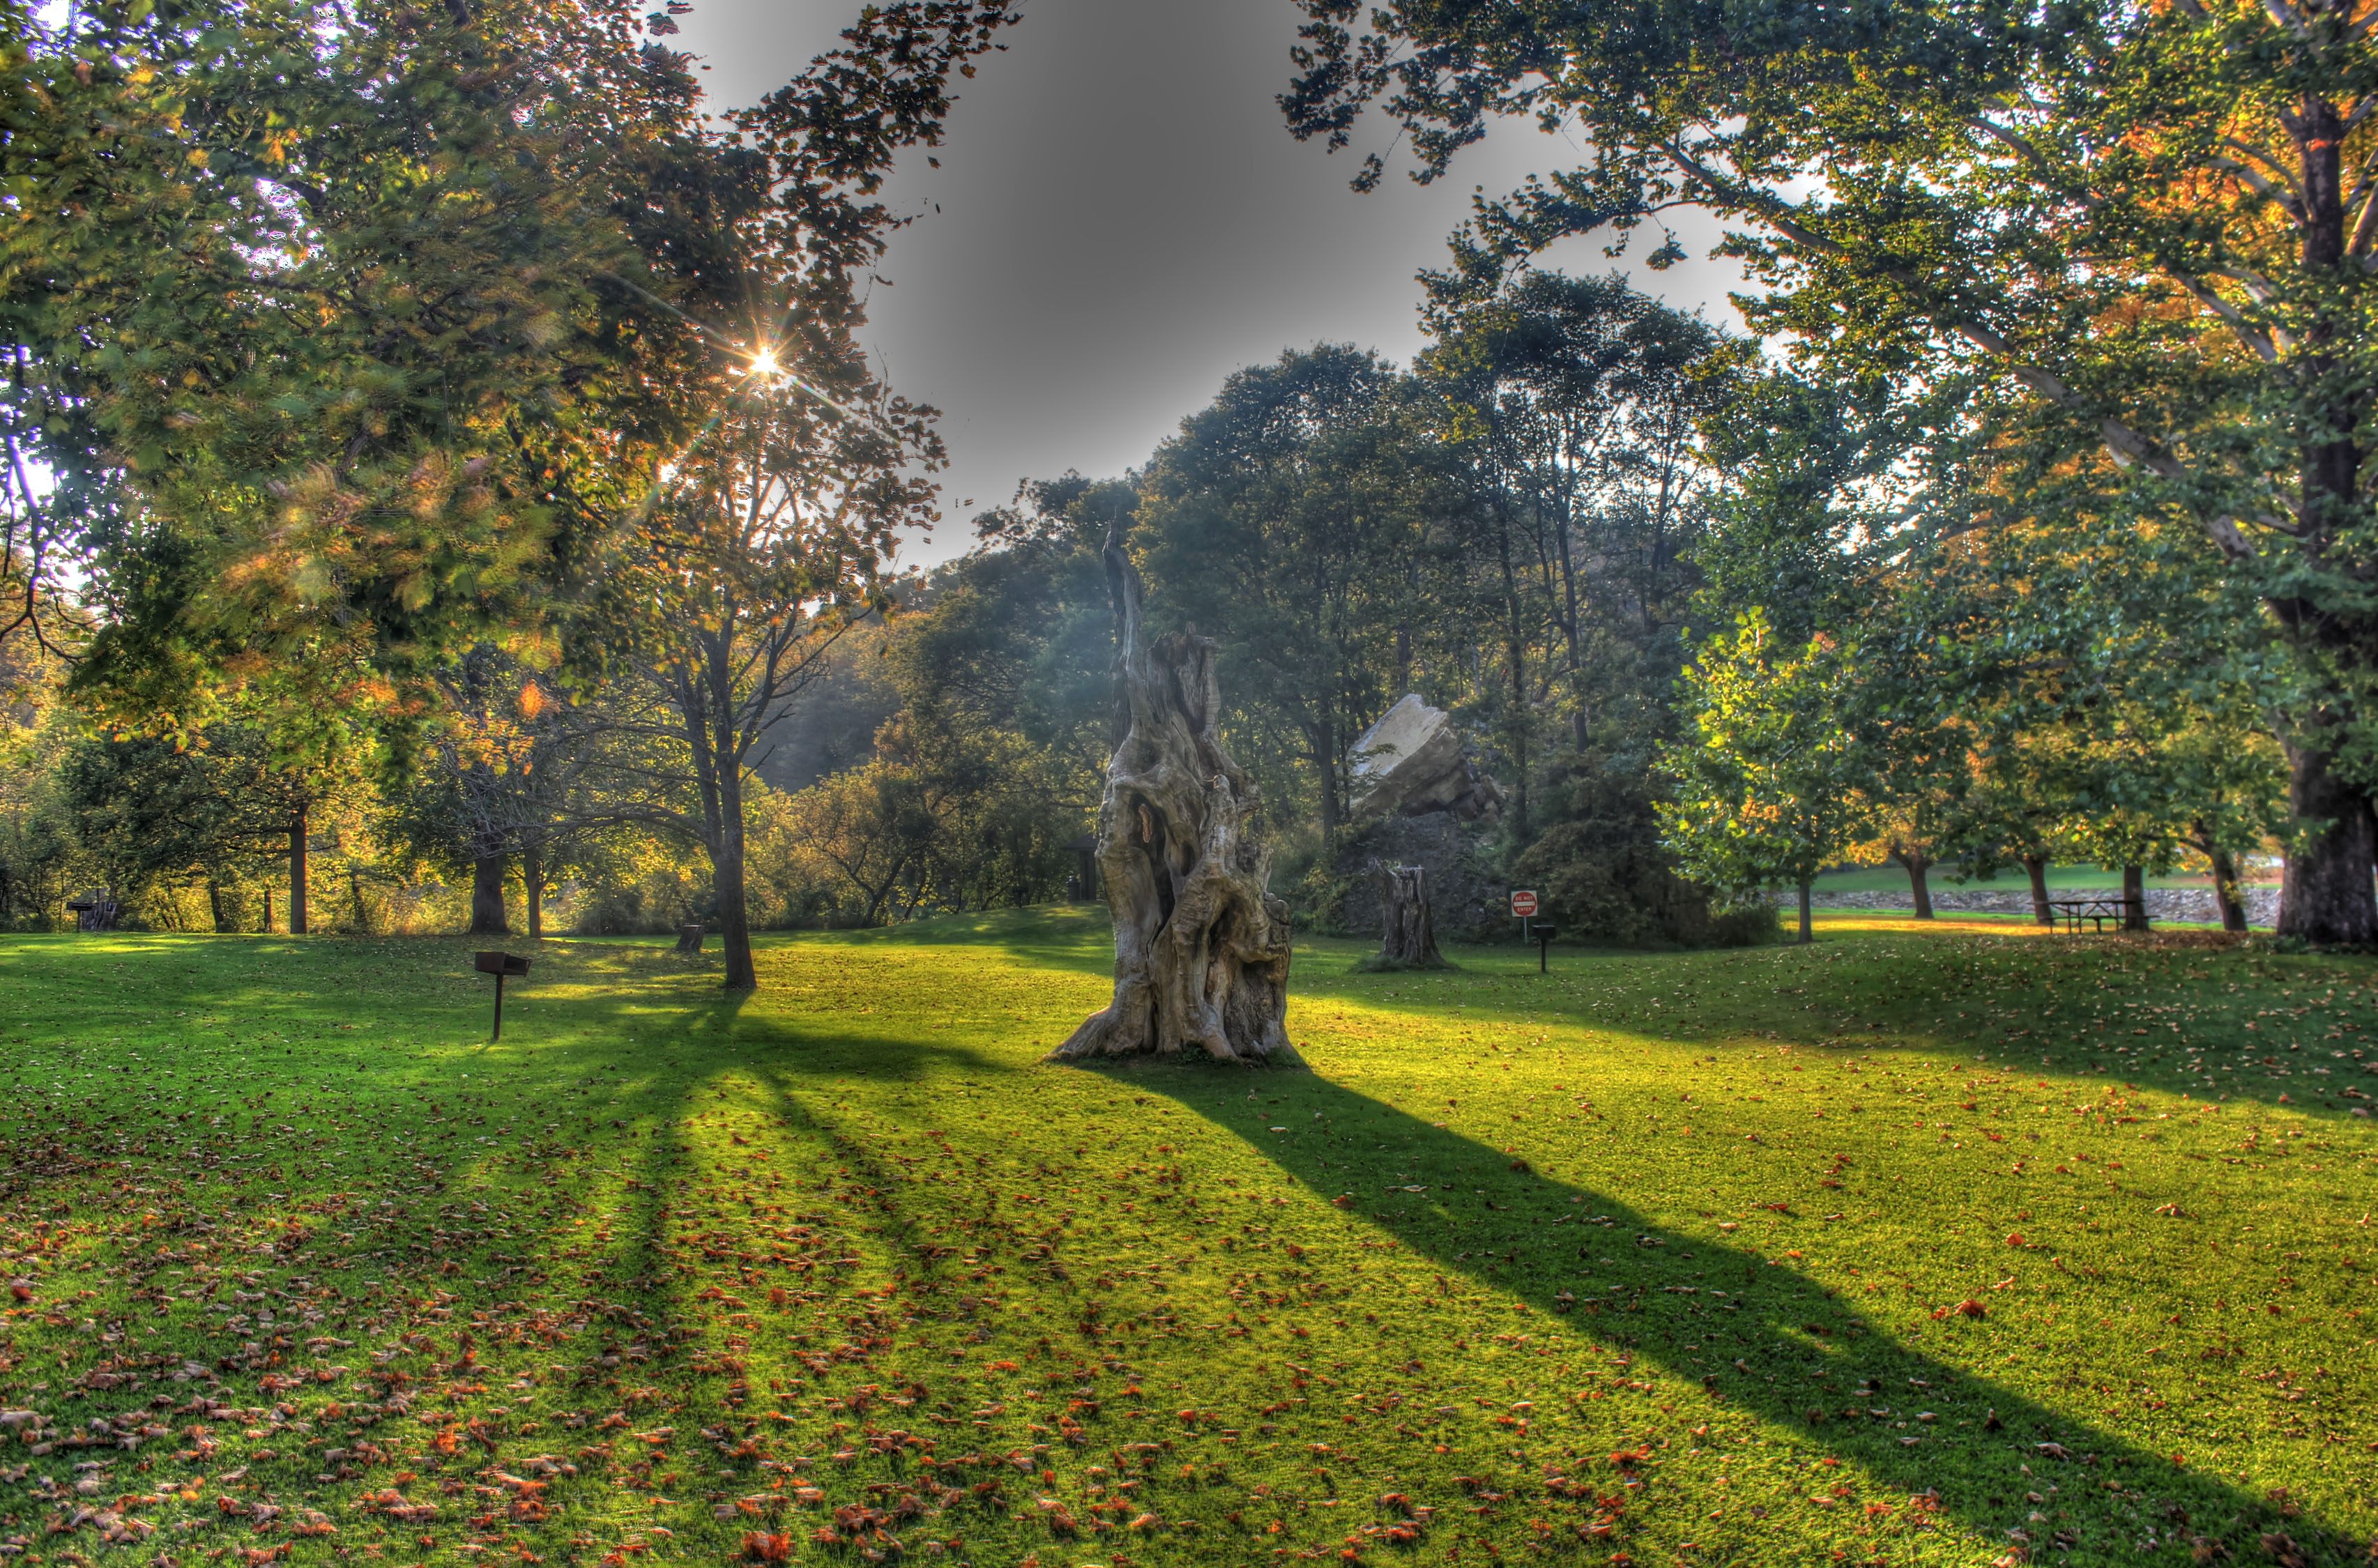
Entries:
{"x":1965,"y":1246}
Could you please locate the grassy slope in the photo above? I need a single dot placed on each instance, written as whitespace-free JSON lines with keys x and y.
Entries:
{"x":1657,"y":1252}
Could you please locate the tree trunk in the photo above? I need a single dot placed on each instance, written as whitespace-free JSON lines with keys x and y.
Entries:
{"x":1409,"y":939}
{"x":2134,"y":899}
{"x":488,"y":917}
{"x":1515,"y":662}
{"x":1519,"y":825}
{"x":2226,"y":895}
{"x":2036,"y":868}
{"x":1201,"y":945}
{"x":266,"y":927}
{"x":727,"y":885}
{"x":298,"y":874}
{"x":1326,"y":748}
{"x":2325,"y":894}
{"x":215,"y":906}
{"x":1807,"y":924}
{"x":1918,"y":865}
{"x":355,"y":897}
{"x":533,"y":892}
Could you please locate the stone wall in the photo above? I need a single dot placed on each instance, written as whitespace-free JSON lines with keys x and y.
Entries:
{"x":2180,"y":905}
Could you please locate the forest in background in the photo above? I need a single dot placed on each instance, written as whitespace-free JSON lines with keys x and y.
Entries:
{"x":421,"y":540}
{"x":1535,"y":527}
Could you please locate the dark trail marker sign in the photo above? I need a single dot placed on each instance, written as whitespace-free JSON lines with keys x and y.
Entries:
{"x":499,"y":965}
{"x":1543,"y":948}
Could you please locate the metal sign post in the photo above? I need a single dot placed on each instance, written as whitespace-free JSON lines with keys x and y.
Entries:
{"x":1543,"y":948}
{"x":1523,"y":904}
{"x":499,"y":965}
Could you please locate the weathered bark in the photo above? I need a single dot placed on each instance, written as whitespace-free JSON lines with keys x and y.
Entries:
{"x":2036,"y":868}
{"x":298,"y":874}
{"x":1808,"y":922}
{"x":2325,"y":894}
{"x":1918,"y":864}
{"x":1201,"y":945}
{"x":488,"y":916}
{"x":2134,"y":899}
{"x":1409,"y":937}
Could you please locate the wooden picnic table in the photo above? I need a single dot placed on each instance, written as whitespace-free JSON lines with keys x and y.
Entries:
{"x":2070,"y":912}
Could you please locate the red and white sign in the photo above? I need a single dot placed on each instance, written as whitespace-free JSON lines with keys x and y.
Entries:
{"x":1523,"y":902}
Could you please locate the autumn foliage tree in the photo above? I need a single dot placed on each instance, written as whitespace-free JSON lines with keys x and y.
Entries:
{"x":2140,"y":230}
{"x":347,"y":330}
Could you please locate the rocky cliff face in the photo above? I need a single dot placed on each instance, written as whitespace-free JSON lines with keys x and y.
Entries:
{"x":1414,"y":761}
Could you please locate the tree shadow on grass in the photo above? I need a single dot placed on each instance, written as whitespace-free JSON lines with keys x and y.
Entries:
{"x":1813,"y":1367}
{"x":1057,"y":936}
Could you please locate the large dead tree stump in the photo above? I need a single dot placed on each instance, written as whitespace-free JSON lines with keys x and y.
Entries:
{"x":1201,"y":945}
{"x":1407,"y":940}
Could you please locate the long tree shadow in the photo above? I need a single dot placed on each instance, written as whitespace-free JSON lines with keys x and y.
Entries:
{"x":1777,"y":1344}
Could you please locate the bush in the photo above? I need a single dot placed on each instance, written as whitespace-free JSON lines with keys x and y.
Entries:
{"x":1754,"y":924}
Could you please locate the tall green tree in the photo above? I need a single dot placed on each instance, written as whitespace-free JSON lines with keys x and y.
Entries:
{"x":769,"y":542}
{"x":223,"y":810}
{"x":1020,"y":639}
{"x":1297,"y":520}
{"x":346,"y":330}
{"x":1766,"y":782}
{"x":2134,"y":229}
{"x":1579,"y":404}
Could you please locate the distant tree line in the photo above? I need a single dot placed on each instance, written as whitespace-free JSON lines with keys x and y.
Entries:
{"x":442,"y":479}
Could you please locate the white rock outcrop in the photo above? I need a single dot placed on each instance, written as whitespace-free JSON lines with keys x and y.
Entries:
{"x":1413,"y":761}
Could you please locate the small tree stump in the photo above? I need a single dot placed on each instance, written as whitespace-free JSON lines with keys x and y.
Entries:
{"x":689,"y":938}
{"x":1201,"y":945}
{"x":1407,"y":940}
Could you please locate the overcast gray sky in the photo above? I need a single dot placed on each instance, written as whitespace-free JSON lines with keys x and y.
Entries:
{"x":1121,"y":220}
